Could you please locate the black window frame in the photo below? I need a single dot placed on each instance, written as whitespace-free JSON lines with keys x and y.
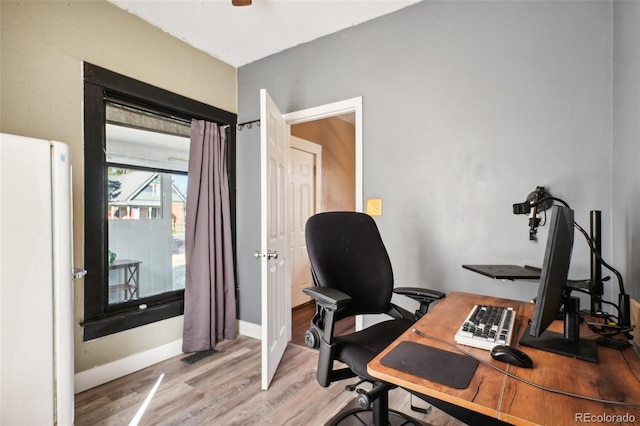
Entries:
{"x":100,"y":85}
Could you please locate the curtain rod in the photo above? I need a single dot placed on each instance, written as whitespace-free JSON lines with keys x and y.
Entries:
{"x":158,"y":113}
{"x":247,"y":124}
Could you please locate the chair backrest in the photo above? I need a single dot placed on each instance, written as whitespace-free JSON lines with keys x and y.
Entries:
{"x":346,"y":252}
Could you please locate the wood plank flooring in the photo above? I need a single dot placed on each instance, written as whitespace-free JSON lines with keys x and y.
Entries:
{"x":224,"y":389}
{"x":301,"y":317}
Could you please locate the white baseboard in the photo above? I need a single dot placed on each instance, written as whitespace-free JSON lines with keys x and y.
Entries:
{"x":105,"y":373}
{"x":113,"y":370}
{"x":250,"y":329}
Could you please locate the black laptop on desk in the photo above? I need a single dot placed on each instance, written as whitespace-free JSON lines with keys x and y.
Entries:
{"x":506,"y":272}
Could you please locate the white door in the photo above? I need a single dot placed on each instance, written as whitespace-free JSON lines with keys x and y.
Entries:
{"x":276,"y":295}
{"x":304,"y":200}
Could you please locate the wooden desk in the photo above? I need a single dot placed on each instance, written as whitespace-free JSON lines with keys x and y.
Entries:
{"x":495,"y":394}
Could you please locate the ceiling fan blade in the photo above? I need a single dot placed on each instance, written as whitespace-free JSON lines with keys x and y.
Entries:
{"x":241,"y":2}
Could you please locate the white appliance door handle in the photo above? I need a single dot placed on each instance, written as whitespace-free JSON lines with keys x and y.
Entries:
{"x":79,"y":273}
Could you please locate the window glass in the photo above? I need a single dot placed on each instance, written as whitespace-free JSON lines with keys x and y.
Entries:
{"x":146,"y":203}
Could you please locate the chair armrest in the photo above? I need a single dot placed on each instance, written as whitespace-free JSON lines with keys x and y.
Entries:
{"x":328,"y":298}
{"x":419,"y":293}
{"x":423,"y":295}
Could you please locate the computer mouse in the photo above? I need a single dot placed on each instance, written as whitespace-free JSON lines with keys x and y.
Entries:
{"x":512,"y":356}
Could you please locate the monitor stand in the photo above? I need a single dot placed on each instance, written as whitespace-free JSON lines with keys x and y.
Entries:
{"x":567,"y":344}
{"x":506,"y":272}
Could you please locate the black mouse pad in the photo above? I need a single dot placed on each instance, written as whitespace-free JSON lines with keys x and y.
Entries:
{"x":444,"y":367}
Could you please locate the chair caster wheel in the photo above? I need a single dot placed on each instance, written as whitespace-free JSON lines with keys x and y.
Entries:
{"x":312,"y":338}
{"x":363,"y":399}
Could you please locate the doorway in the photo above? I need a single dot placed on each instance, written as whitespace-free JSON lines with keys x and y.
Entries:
{"x":305,"y":199}
{"x":325,"y":158}
{"x":275,"y":270}
{"x":337,"y":129}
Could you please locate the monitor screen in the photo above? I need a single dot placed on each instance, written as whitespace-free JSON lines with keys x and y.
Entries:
{"x":553,"y":293}
{"x":555,"y":269}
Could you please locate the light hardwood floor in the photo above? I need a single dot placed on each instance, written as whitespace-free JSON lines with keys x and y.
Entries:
{"x":301,"y":318}
{"x":224,"y":389}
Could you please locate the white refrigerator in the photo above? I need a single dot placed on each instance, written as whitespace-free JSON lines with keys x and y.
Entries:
{"x":36,"y":288}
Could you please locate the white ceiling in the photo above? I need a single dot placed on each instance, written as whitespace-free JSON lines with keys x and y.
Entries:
{"x":240,"y":35}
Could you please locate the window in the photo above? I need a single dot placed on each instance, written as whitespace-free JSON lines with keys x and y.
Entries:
{"x":136,"y":160}
{"x":146,"y":163}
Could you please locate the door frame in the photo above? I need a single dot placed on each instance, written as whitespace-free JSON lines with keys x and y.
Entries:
{"x":331,"y":110}
{"x":347,"y":106}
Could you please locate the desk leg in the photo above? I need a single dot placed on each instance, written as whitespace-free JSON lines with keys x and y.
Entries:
{"x":131,"y":277}
{"x":127,"y":272}
{"x":136,"y":282}
{"x":127,"y":281}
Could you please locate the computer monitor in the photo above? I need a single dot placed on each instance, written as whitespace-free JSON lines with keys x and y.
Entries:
{"x":554,"y":294}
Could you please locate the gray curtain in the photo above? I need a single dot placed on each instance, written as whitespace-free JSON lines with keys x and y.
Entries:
{"x":209,"y":298}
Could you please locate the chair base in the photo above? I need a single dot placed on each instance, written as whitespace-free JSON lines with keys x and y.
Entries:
{"x":361,"y":417}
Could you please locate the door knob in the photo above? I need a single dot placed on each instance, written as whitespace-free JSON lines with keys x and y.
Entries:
{"x":270,"y":254}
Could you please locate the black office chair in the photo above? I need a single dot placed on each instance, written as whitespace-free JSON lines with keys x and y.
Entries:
{"x":352,"y":275}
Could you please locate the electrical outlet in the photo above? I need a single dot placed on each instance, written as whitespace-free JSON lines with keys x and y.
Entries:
{"x":374,"y":206}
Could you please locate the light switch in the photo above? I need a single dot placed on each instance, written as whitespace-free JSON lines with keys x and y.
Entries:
{"x":374,"y":206}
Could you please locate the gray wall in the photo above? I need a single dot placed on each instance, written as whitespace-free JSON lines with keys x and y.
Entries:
{"x":248,"y":220}
{"x":468,"y":106}
{"x":626,"y":142}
